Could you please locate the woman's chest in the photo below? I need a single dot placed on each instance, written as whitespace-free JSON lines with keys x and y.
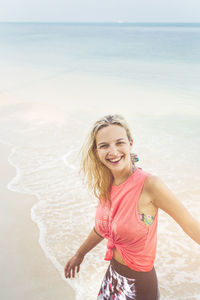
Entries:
{"x":123,"y":215}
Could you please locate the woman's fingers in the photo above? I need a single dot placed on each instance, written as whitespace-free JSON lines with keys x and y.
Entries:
{"x":73,"y":266}
{"x":71,"y":270}
{"x":68,"y":271}
{"x":78,"y":268}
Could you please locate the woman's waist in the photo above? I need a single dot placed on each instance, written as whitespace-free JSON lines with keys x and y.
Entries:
{"x":120,"y":267}
{"x":117,"y":256}
{"x":139,"y":263}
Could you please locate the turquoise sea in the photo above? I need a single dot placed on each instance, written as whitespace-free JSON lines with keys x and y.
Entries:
{"x":56,"y":79}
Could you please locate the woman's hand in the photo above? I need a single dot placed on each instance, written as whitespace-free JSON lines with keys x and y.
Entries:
{"x":73,"y":265}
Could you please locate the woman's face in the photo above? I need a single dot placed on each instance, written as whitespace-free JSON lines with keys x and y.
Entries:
{"x":113,"y":147}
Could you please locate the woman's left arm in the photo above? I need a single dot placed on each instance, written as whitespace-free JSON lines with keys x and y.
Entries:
{"x":162,"y":197}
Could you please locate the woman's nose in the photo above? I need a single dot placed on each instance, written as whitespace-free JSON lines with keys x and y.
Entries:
{"x":113,"y":150}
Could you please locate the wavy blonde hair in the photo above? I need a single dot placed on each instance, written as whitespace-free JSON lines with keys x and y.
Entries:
{"x":97,"y":176}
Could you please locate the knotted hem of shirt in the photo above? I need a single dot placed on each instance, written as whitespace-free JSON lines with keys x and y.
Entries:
{"x":109,"y":252}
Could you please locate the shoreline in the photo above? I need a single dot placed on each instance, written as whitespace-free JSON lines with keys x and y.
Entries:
{"x":27,"y":272}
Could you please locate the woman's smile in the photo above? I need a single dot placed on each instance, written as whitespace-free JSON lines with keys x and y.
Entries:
{"x":115,"y":160}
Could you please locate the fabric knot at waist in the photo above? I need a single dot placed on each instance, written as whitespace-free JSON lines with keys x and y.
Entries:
{"x":109,"y":252}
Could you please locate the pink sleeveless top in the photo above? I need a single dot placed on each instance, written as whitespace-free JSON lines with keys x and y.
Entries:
{"x":119,"y":222}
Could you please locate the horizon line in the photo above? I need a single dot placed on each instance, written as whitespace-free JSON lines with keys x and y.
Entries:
{"x":100,"y":22}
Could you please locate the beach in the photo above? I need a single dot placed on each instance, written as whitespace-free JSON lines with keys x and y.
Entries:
{"x":56,"y":81}
{"x":26,"y":272}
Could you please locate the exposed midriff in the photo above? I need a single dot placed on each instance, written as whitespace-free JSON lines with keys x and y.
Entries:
{"x":117,"y":256}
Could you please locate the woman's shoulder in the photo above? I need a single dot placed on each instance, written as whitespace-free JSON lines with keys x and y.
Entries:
{"x":151,"y":182}
{"x":155,"y":188}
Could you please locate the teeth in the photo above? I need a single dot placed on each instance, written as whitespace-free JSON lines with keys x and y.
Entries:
{"x":115,"y":160}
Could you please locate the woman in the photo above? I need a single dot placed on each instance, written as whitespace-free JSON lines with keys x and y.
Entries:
{"x":126,"y":214}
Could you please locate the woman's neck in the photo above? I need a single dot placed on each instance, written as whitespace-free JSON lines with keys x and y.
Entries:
{"x":121,"y":176}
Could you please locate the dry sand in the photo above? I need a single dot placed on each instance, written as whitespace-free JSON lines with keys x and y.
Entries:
{"x":26,"y":273}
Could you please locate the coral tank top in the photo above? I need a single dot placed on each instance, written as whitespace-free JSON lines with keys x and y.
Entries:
{"x":119,"y":222}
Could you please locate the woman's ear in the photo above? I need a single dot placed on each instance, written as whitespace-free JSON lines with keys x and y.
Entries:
{"x":131,"y":142}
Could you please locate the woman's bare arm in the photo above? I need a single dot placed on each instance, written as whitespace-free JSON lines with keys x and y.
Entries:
{"x":163,"y":197}
{"x":74,"y":263}
{"x":92,"y":240}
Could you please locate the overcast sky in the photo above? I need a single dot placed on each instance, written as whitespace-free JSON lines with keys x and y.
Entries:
{"x":99,"y":11}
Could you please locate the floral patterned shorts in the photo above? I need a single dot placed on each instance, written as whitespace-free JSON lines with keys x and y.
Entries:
{"x":123,"y":283}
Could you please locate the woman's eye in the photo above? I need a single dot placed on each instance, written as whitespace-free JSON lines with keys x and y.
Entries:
{"x":103,"y":146}
{"x":106,"y":146}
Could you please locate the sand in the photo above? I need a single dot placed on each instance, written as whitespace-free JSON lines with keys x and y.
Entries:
{"x":26,"y":273}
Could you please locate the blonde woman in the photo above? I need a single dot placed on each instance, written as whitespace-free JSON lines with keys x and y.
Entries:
{"x":126,"y":214}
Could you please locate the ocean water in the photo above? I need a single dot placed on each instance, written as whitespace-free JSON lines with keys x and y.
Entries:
{"x":56,"y":81}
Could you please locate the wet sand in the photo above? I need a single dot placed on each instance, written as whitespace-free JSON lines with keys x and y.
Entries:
{"x":26,"y":272}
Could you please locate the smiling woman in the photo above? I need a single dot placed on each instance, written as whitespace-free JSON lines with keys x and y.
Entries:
{"x":127,"y":213}
{"x":98,"y":174}
{"x":113,"y":150}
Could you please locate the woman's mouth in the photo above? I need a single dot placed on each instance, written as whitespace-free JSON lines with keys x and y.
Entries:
{"x":115,"y":160}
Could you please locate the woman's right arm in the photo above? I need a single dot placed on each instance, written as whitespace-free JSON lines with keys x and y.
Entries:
{"x":92,"y":240}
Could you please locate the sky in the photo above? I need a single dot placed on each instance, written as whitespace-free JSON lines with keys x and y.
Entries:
{"x":99,"y":11}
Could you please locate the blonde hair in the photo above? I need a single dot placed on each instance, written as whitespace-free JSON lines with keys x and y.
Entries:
{"x":97,"y":176}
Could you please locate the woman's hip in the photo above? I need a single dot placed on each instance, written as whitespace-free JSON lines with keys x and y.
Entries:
{"x":122,"y":283}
